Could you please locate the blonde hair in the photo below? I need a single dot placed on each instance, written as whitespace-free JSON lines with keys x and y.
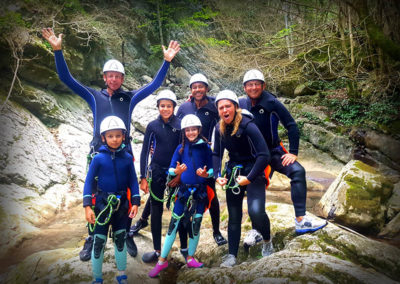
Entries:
{"x":236,"y":122}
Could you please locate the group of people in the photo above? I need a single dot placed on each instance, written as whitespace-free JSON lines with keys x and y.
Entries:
{"x":183,"y":153}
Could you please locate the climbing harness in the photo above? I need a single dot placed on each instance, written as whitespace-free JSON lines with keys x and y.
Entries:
{"x":113,"y":203}
{"x":235,"y":173}
{"x":149,"y":179}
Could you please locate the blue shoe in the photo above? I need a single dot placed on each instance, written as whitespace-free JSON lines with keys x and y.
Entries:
{"x":122,"y":279}
{"x":98,"y":281}
{"x":309,"y":224}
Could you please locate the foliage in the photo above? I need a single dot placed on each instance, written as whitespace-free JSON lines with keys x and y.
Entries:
{"x":215,"y":42}
{"x":350,"y":112}
{"x":10,"y":20}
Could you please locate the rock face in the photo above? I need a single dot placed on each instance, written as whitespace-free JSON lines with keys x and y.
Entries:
{"x":357,"y":197}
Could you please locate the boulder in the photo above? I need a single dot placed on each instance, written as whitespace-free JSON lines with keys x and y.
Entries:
{"x":357,"y":197}
{"x":339,"y":146}
{"x":391,"y":229}
{"x":303,"y":90}
{"x":393,"y":203}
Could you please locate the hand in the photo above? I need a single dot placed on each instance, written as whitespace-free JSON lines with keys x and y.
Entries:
{"x":288,"y":159}
{"x":202,"y":172}
{"x":221,"y":181}
{"x":180,"y":168}
{"x":172,"y":50}
{"x":89,"y":214}
{"x":133,"y":212}
{"x":54,"y":41}
{"x":144,"y":185}
{"x":242,"y":180}
{"x":175,"y":181}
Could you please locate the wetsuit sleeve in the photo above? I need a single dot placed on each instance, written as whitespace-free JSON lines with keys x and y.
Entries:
{"x":175,"y":158}
{"x":152,"y":86}
{"x":263,"y":156}
{"x":179,"y":113}
{"x":133,"y":185}
{"x":66,"y":77}
{"x":144,"y":155}
{"x":209,"y":164}
{"x":218,"y":149}
{"x":90,"y":181}
{"x":288,"y":122}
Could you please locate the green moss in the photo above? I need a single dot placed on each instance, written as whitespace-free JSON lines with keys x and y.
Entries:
{"x":335,"y":275}
{"x":272,"y":208}
{"x":364,"y":167}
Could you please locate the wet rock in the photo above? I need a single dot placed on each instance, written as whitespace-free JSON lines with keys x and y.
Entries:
{"x":393,"y":203}
{"x":391,"y":229}
{"x":357,"y":197}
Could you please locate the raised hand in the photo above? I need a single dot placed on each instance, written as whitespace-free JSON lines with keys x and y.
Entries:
{"x":172,"y":50}
{"x":180,"y":168}
{"x":202,"y":172}
{"x":54,"y":41}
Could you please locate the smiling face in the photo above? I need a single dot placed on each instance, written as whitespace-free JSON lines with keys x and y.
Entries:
{"x":191,"y":133}
{"x":113,"y":80}
{"x":226,"y":110}
{"x":113,"y":138}
{"x":254,"y":89}
{"x":166,"y":109}
{"x":199,"y":91}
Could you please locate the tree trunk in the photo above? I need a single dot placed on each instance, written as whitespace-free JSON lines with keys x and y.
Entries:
{"x":351,"y":38}
{"x":159,"y":23}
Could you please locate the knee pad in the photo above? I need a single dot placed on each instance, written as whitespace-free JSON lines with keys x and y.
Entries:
{"x":196,"y":225}
{"x":98,"y":246}
{"x":172,"y":225}
{"x":119,"y":239}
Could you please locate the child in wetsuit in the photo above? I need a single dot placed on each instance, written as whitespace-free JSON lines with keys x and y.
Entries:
{"x":113,"y":167}
{"x":192,"y":159}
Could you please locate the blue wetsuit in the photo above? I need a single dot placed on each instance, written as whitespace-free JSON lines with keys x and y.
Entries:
{"x":246,"y":148}
{"x":195,"y":155}
{"x":120,"y":104}
{"x":164,"y":137}
{"x":115,"y":173}
{"x":268,"y":112}
{"x":208,"y":115}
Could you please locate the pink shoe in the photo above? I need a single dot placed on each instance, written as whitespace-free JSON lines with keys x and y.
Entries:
{"x":157,"y":269}
{"x":192,"y":263}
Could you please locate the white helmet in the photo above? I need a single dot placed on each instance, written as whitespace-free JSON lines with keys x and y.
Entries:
{"x":166,"y":95}
{"x":198,"y":78}
{"x":253,"y":74}
{"x":111,"y":123}
{"x":226,"y":95}
{"x":114,"y":65}
{"x":190,"y":120}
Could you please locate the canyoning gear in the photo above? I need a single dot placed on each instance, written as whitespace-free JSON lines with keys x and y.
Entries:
{"x":120,"y":249}
{"x":120,"y":104}
{"x":131,"y":246}
{"x":114,"y":65}
{"x":228,"y":260}
{"x":268,"y":112}
{"x":234,"y":173}
{"x":198,"y":78}
{"x":309,"y":224}
{"x":98,"y":255}
{"x":184,"y":253}
{"x":98,"y":281}
{"x":166,"y":95}
{"x":112,"y":122}
{"x":252,"y":237}
{"x":219,"y":239}
{"x":122,"y":279}
{"x":160,"y":266}
{"x":86,"y":252}
{"x":140,"y":224}
{"x":189,"y":121}
{"x":149,"y":257}
{"x":267,"y":248}
{"x":247,"y":148}
{"x":227,"y":95}
{"x":253,"y":74}
{"x":207,"y":114}
{"x":115,"y":173}
{"x":192,"y":263}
